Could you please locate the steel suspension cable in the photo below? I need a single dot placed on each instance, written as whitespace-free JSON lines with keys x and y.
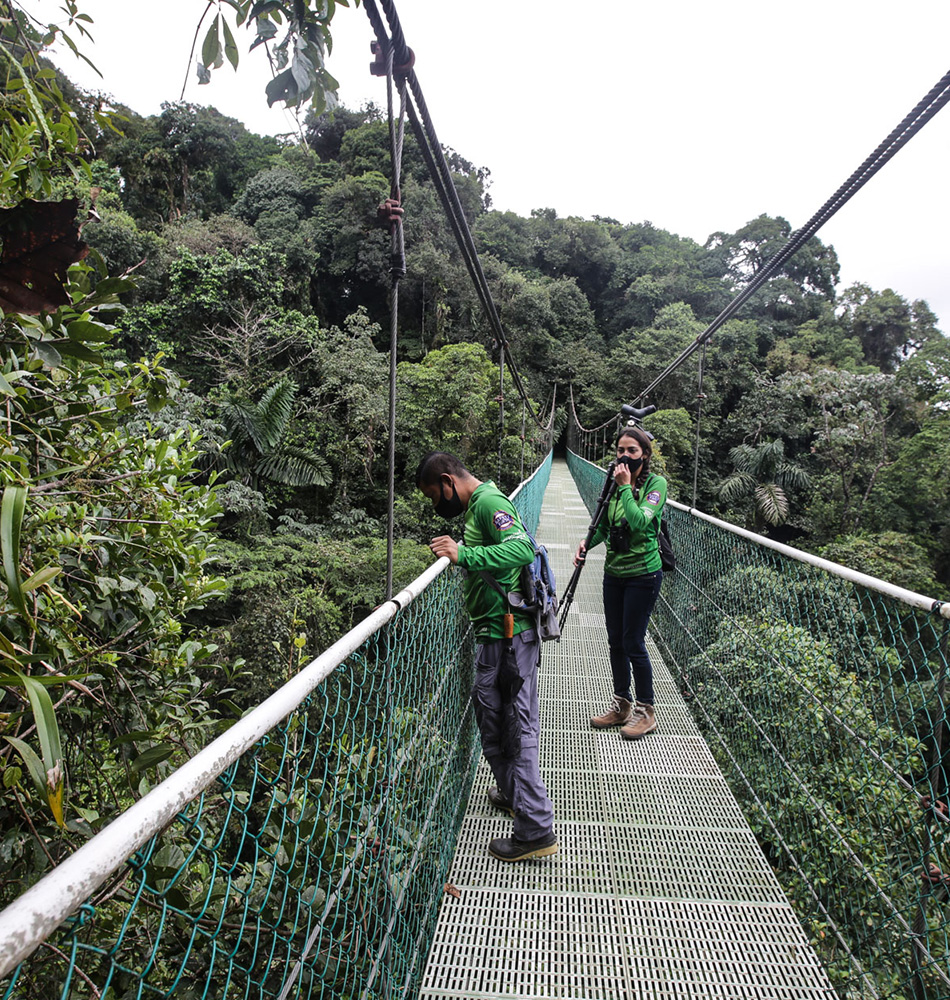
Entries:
{"x":700,"y":396}
{"x":929,"y":105}
{"x":441,"y":176}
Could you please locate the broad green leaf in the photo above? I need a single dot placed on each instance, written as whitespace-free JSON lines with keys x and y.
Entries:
{"x":264,"y":7}
{"x":266,"y":30}
{"x":211,"y":47}
{"x":152,"y":757}
{"x":40,"y":578}
{"x":82,"y":330}
{"x":11,"y":518}
{"x":5,"y":388}
{"x":230,"y":48}
{"x":111,"y":286}
{"x":33,"y":763}
{"x":48,"y":354}
{"x":47,"y":729}
{"x":46,"y":726}
{"x":170,"y":856}
{"x":47,"y":680}
{"x":73,"y":350}
{"x":281,"y":88}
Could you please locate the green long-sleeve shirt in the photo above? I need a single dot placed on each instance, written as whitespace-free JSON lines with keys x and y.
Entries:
{"x":494,"y":541}
{"x":642,"y":512}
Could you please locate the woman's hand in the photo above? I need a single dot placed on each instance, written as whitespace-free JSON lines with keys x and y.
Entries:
{"x":580,"y":555}
{"x":622,"y":475}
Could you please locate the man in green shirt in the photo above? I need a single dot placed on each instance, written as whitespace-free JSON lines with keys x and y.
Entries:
{"x":495,"y":543}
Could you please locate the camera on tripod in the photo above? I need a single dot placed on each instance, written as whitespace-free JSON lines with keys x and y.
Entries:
{"x":632,"y":413}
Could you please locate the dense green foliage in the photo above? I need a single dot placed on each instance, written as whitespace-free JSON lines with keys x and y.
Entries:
{"x":194,"y":451}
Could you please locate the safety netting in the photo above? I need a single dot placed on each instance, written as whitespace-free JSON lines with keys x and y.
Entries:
{"x":314,"y":864}
{"x":825,"y":702}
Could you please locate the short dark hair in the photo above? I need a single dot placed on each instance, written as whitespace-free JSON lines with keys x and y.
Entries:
{"x":437,"y":464}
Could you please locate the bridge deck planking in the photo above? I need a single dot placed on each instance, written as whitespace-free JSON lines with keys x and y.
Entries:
{"x":658,"y":890}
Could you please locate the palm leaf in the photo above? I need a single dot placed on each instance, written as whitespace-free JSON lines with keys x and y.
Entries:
{"x":772,"y":503}
{"x":239,"y":417}
{"x":739,"y":484}
{"x":793,"y":476}
{"x":743,"y":457}
{"x":294,"y":466}
{"x":273,"y":414}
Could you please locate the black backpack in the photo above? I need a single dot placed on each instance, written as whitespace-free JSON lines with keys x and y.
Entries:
{"x":667,"y":555}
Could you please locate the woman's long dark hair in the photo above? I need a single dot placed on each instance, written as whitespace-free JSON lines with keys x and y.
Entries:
{"x":646,"y":446}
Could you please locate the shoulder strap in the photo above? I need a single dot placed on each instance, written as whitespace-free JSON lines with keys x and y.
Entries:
{"x":492,"y":582}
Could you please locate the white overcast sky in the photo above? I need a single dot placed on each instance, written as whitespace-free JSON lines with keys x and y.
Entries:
{"x":692,"y":114}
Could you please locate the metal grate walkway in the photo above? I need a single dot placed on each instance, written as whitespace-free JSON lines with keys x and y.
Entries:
{"x":659,"y":888}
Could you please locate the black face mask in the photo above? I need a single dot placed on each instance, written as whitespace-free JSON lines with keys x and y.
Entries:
{"x":633,"y":464}
{"x":448,"y":508}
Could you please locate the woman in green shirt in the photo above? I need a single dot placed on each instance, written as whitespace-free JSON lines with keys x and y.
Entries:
{"x":632,"y":578}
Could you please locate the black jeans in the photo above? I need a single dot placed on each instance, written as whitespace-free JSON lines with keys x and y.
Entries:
{"x":628,"y":603}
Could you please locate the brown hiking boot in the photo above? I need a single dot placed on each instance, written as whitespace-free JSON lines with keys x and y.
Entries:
{"x":642,"y":721}
{"x":616,"y":715}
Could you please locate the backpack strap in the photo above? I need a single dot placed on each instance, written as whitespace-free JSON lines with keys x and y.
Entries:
{"x":493,"y":583}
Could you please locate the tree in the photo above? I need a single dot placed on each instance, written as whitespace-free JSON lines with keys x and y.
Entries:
{"x":104,"y":531}
{"x":763,"y":472}
{"x":258,"y":434}
{"x":886,"y":325}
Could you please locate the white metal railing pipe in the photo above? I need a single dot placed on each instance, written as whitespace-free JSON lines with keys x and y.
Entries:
{"x":34,"y":915}
{"x":909,"y":597}
{"x":853,"y":576}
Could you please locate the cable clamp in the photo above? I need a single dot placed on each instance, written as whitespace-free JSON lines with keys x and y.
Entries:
{"x":378,"y":66}
{"x":939,"y":809}
{"x":934,"y":880}
{"x":389,"y":213}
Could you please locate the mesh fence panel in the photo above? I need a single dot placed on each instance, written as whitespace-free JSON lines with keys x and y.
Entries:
{"x":313,"y":866}
{"x":825,"y":704}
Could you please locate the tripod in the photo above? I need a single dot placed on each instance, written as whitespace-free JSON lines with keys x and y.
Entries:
{"x":605,"y":494}
{"x":633,"y":415}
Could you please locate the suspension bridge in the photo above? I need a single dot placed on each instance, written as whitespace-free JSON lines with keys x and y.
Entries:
{"x":331,"y":844}
{"x":783,"y":834}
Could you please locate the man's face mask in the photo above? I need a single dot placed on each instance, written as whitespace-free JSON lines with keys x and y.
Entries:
{"x":448,"y":507}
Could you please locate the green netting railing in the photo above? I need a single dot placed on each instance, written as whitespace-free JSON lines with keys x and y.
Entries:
{"x":303,"y":854}
{"x":823,"y":694}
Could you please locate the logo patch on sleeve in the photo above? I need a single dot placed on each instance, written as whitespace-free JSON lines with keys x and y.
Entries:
{"x":653,"y":497}
{"x":502,"y":520}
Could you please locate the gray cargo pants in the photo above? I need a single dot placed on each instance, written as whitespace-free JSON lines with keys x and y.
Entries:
{"x":518,"y":777}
